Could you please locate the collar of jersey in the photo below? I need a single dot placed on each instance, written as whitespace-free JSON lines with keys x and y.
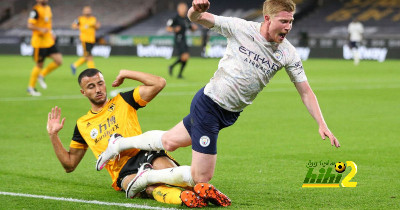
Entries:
{"x":93,"y":112}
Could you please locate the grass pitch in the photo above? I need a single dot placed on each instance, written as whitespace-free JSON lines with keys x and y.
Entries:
{"x":261,"y":159}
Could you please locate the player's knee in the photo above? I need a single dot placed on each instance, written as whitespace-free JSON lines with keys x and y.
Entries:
{"x":149,"y":190}
{"x":185,"y":57}
{"x":69,"y":169}
{"x":202,"y":178}
{"x":161,"y":83}
{"x":169,"y":145}
{"x":58,"y":61}
{"x":168,"y":142}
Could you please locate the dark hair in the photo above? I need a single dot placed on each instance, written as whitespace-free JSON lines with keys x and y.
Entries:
{"x":87,"y":73}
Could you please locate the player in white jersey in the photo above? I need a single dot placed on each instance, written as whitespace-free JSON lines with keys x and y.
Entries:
{"x":255,"y":52}
{"x":356,"y":30}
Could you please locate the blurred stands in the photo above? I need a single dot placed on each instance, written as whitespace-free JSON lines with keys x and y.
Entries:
{"x":331,"y":18}
{"x":318,"y":18}
{"x":111,"y":14}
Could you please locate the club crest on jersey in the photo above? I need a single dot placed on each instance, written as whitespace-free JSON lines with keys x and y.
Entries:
{"x":111,"y":108}
{"x":278,"y":55}
{"x":204,"y":141}
{"x":93,"y":133}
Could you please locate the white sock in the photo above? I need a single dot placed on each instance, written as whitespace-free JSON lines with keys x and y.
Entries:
{"x":179,"y":176}
{"x":150,"y":141}
{"x":356,"y":56}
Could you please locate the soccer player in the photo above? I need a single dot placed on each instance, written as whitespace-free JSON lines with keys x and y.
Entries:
{"x":356,"y":31}
{"x":254,"y":54}
{"x":43,"y":42}
{"x":178,"y":25}
{"x":107,"y":116}
{"x":87,"y":25}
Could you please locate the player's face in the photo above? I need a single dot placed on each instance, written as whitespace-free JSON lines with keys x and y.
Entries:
{"x":87,"y":11}
{"x":43,"y":2}
{"x":182,"y":9}
{"x":279,"y":26}
{"x":94,"y":88}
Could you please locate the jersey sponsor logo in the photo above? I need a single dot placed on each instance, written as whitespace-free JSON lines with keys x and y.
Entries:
{"x":258,"y":61}
{"x":93,"y":133}
{"x":298,"y":64}
{"x":107,"y":128}
{"x":204,"y":141}
{"x":88,"y":125}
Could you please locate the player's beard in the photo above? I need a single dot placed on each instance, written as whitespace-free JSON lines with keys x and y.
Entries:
{"x":98,"y":102}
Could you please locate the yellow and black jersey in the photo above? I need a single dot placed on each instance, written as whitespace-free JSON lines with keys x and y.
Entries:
{"x":119,"y":115}
{"x":41,"y":16}
{"x":87,"y":28}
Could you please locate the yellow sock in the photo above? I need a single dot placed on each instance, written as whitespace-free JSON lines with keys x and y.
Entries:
{"x":49,"y":68}
{"x":34,"y":75}
{"x":165,"y":194}
{"x":79,"y":62}
{"x":90,"y":64}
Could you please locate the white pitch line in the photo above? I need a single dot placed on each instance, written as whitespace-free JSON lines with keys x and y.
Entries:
{"x":127,"y":205}
{"x":191,"y":93}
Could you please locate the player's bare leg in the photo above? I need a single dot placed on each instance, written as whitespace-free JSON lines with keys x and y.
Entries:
{"x":90,"y":62}
{"x":176,"y":137}
{"x":203,"y":166}
{"x":57,"y":61}
{"x":150,"y":141}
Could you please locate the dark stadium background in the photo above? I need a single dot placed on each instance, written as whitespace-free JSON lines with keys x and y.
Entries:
{"x":320,"y":25}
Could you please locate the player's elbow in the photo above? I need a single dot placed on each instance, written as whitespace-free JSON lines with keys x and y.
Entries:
{"x":69,"y":169}
{"x":161,"y":83}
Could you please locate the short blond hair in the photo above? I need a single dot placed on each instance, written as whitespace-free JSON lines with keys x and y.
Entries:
{"x":273,"y":7}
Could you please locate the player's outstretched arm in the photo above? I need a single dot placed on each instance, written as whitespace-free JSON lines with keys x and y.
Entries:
{"x":36,"y":28}
{"x":310,"y":101}
{"x":75,"y":25}
{"x":68,"y":159}
{"x":197,"y":13}
{"x":152,"y":84}
{"x":97,"y":25}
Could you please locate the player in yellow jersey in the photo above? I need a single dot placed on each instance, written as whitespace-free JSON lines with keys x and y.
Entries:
{"x":87,"y":25}
{"x":116,"y":115}
{"x":43,"y":42}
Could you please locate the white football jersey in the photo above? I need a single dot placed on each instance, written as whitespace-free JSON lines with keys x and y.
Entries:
{"x":248,"y":64}
{"x":356,"y":30}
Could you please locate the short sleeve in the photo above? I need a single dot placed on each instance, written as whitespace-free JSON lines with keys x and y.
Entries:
{"x":76,"y":21}
{"x":171,"y":22}
{"x":33,"y":16}
{"x":134,"y":99}
{"x":226,"y":26}
{"x":78,"y":142}
{"x":295,"y":69}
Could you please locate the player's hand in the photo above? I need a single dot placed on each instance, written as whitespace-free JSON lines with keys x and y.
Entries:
{"x":44,"y":30}
{"x":177,"y":29}
{"x":200,"y":5}
{"x":53,"y":121}
{"x":119,"y":80}
{"x":325,"y":132}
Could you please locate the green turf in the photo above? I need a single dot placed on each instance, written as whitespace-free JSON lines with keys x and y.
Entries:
{"x":261,"y":159}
